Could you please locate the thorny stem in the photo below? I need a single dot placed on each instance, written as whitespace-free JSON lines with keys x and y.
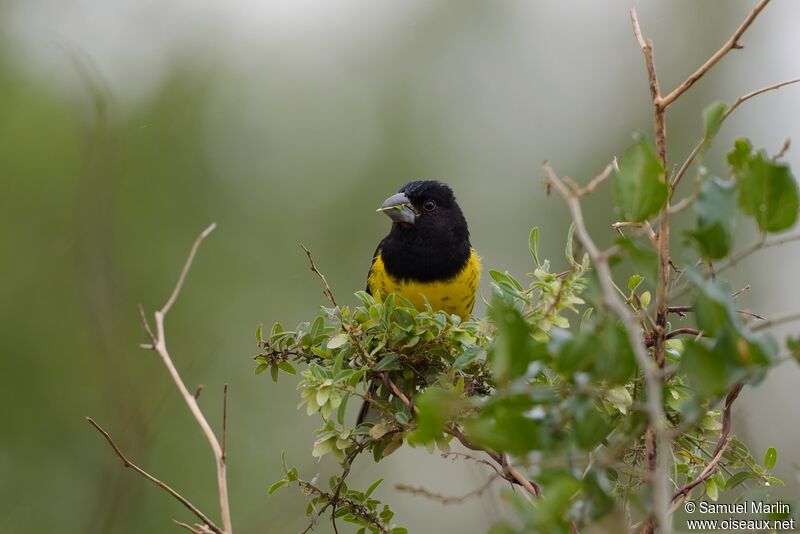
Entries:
{"x":654,"y":400}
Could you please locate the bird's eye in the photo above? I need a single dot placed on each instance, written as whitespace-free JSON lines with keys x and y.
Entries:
{"x":429,"y":205}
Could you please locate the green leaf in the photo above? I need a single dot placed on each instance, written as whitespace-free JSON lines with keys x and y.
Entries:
{"x":590,"y":425}
{"x":273,"y":371}
{"x":767,"y":190}
{"x":467,"y":357}
{"x":634,"y":281}
{"x":712,"y":118}
{"x":617,"y":362}
{"x":509,"y":425}
{"x":258,"y":333}
{"x":714,"y":308}
{"x":389,"y":362}
{"x":568,"y":248}
{"x":514,"y":348}
{"x":287,"y":367}
{"x":533,"y":245}
{"x":716,"y":209}
{"x":711,"y":489}
{"x":338,"y":340}
{"x":437,"y":407}
{"x":372,"y":487}
{"x":738,"y":478}
{"x":640,"y":189}
{"x":770,"y":458}
{"x":793,"y":344}
{"x":499,"y":277}
{"x":277,"y":485}
{"x":740,"y":155}
{"x":705,"y":371}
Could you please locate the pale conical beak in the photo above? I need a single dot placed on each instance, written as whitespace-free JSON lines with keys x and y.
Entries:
{"x":399,"y":209}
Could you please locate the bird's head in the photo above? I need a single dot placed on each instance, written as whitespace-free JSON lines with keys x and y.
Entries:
{"x":426,"y":208}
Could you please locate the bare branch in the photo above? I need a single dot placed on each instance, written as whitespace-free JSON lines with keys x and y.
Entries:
{"x":731,"y":44}
{"x":326,"y":289}
{"x":160,"y":346}
{"x":130,"y":465}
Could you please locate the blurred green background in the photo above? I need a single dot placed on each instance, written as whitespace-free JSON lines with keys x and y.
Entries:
{"x":126,"y":127}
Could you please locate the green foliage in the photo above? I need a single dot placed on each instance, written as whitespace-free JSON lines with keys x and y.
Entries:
{"x":531,"y":387}
{"x":715,"y":208}
{"x":768,"y":191}
{"x":639,"y":186}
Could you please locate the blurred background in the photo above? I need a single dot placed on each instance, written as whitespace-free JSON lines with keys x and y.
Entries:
{"x":128,"y":126}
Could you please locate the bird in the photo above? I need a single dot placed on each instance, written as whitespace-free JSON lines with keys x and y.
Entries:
{"x":427,"y":255}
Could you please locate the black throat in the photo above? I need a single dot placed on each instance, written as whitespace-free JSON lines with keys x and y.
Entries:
{"x":409,"y":254}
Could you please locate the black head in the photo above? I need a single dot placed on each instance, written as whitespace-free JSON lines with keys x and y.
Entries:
{"x":427,"y":209}
{"x":429,"y":239}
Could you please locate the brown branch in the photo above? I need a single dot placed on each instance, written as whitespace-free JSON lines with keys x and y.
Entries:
{"x":655,"y":92}
{"x":719,"y":450}
{"x":731,"y":44}
{"x":130,"y":465}
{"x":683,"y":331}
{"x":326,"y":289}
{"x":160,"y":346}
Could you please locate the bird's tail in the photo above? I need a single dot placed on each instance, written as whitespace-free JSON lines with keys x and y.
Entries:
{"x":363,"y":413}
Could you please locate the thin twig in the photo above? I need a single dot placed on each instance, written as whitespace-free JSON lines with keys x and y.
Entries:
{"x":719,"y":450}
{"x":597,"y":180}
{"x":147,"y":328}
{"x":446,"y":499}
{"x":327,"y":289}
{"x":684,"y":331}
{"x":130,"y":465}
{"x":698,"y":147}
{"x":777,"y":319}
{"x":224,"y":422}
{"x":731,"y":44}
{"x":186,"y":266}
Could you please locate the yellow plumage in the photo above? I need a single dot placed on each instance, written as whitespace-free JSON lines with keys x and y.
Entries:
{"x":455,"y":295}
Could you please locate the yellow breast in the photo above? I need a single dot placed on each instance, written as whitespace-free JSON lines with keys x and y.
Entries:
{"x":455,"y":295}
